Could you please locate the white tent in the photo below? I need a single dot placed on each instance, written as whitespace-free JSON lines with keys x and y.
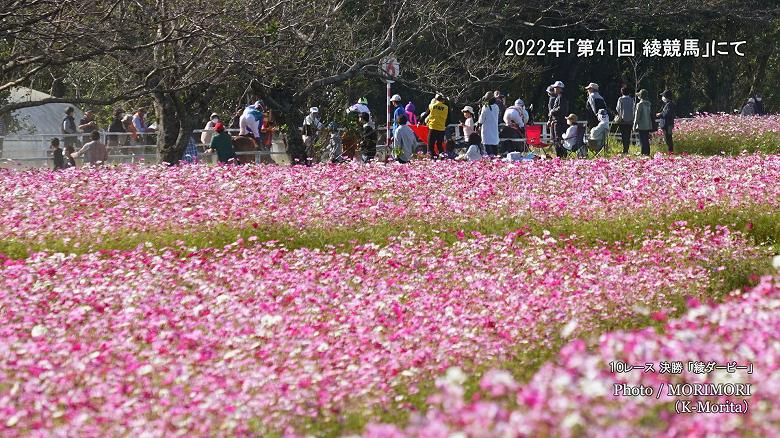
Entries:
{"x":35,"y":126}
{"x":41,"y":119}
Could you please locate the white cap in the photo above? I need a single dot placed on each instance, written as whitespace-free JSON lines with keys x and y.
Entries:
{"x":467,"y":108}
{"x":213,"y":115}
{"x":395,"y":98}
{"x":519,"y":102}
{"x":592,"y":86}
{"x":259,"y":103}
{"x":314,"y":109}
{"x":557,"y":84}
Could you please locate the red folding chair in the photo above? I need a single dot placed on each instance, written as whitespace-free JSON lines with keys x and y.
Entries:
{"x":533,"y":138}
{"x":421,"y":132}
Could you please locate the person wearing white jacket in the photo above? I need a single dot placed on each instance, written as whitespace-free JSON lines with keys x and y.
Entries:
{"x":598,"y":135}
{"x":488,"y":123}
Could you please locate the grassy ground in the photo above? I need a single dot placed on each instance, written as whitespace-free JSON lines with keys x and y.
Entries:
{"x":758,"y":222}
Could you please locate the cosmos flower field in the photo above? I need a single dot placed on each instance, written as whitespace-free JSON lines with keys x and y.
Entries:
{"x":433,"y":299}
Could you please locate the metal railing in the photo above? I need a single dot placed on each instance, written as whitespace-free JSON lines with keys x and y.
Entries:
{"x":121,"y":148}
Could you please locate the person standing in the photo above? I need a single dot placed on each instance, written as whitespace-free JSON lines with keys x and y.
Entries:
{"x":500,"y":101}
{"x":594,"y":104}
{"x":69,"y":131}
{"x":222,"y":144}
{"x":468,"y":123}
{"x":56,"y":152}
{"x":410,"y":114}
{"x":311,"y":129}
{"x":94,"y":151}
{"x":398,"y":110}
{"x":759,"y":105}
{"x":115,"y":129}
{"x":3,"y":132}
{"x":489,"y":115}
{"x":208,"y":130}
{"x":437,"y":124}
{"x":625,"y":117}
{"x":88,"y":125}
{"x":127,"y":123}
{"x":667,"y":116}
{"x":643,"y":121}
{"x":368,"y":137}
{"x":558,"y":114}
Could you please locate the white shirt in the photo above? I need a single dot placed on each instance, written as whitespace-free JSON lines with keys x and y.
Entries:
{"x":474,"y":153}
{"x":488,"y":118}
{"x":208,"y":132}
{"x":512,"y":114}
{"x":468,"y":128}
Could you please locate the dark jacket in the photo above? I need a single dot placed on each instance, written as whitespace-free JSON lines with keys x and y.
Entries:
{"x":223,"y":144}
{"x":759,"y":108}
{"x":594,"y":103}
{"x":667,"y":116}
{"x":368,"y":139}
{"x":560,"y":108}
{"x":59,"y":159}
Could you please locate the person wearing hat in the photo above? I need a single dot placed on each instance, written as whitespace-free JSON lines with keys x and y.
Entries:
{"x":467,"y":126}
{"x":437,"y":125}
{"x":208,"y":130}
{"x":643,"y":121}
{"x":311,"y":129}
{"x":361,"y":107}
{"x":69,"y":131}
{"x":667,"y":116}
{"x":557,"y":115}
{"x":594,"y":104}
{"x":489,"y":115}
{"x":514,"y":121}
{"x":550,"y":102}
{"x":398,"y":110}
{"x":222,"y":144}
{"x":570,"y":141}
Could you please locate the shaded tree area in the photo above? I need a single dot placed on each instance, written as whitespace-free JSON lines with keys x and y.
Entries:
{"x":188,"y":58}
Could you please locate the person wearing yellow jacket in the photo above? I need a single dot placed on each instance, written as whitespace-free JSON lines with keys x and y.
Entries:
{"x":437,"y":123}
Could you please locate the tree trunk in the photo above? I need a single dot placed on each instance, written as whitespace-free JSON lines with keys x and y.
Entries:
{"x":173,"y":129}
{"x":295,"y":147}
